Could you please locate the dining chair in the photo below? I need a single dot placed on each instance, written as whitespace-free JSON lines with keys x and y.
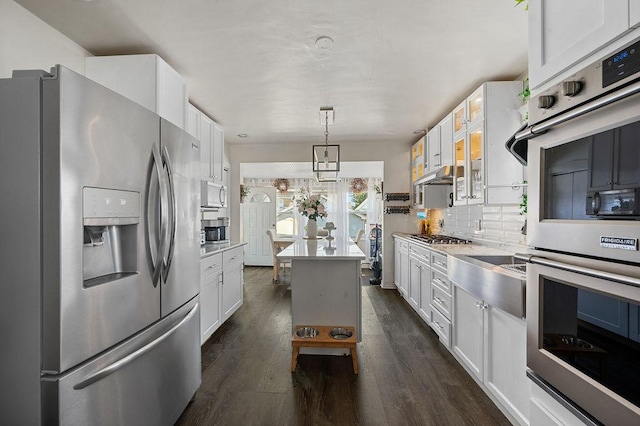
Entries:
{"x":277,"y":263}
{"x":358,"y":239}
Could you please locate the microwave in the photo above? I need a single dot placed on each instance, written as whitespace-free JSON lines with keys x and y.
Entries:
{"x":213,"y":194}
{"x":621,"y":202}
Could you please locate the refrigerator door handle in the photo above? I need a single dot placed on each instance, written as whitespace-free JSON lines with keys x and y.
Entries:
{"x":112,"y":368}
{"x":174,"y":212}
{"x":157,"y":263}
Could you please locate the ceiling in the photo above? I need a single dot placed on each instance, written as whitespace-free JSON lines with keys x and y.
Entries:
{"x":258,"y":68}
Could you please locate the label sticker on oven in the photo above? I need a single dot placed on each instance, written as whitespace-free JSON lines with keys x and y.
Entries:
{"x":619,"y":243}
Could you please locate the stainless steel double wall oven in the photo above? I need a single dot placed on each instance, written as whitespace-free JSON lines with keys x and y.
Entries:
{"x":583,"y":280}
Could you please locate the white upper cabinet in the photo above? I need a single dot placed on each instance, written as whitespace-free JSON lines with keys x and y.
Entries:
{"x":418,"y":150}
{"x":206,"y":148}
{"x":217,"y":165}
{"x":439,"y":145}
{"x":211,"y":137}
{"x":145,"y":79}
{"x":484,"y":171}
{"x":561,"y":33}
{"x":634,"y":14}
{"x":193,"y":121}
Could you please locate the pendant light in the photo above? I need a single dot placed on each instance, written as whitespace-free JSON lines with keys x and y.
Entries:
{"x":326,"y":158}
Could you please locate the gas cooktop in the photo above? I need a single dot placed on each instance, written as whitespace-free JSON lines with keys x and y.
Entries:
{"x":439,"y":239}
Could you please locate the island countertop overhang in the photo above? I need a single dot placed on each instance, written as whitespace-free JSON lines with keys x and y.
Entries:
{"x":322,"y":249}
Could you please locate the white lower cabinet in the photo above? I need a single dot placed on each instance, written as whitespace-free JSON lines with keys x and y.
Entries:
{"x":440,"y":298}
{"x":419,"y":280}
{"x":401,"y":263}
{"x":468,"y":329}
{"x":221,"y":289}
{"x":210,"y":289}
{"x":232,"y":273}
{"x":506,"y":362}
{"x":491,"y":344}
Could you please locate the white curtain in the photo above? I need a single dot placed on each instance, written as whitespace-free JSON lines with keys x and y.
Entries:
{"x":374,"y":210}
{"x":338,"y":203}
{"x":338,"y":206}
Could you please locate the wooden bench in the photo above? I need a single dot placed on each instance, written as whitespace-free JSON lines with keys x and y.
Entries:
{"x":323,"y":340}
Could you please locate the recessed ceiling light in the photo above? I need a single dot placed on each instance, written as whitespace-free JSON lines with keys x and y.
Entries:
{"x":324,"y":42}
{"x":242,"y":135}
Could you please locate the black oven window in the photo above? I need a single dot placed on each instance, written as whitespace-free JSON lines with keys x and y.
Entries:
{"x":595,"y":333}
{"x":574,"y":171}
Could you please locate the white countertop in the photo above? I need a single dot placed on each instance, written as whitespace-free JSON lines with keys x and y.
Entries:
{"x":323,"y":249}
{"x":476,"y":248}
{"x":212,"y":248}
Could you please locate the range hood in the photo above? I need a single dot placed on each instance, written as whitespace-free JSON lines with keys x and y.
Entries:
{"x":442,"y":176}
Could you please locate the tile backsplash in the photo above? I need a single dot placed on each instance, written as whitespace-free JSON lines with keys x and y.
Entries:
{"x":502,"y":223}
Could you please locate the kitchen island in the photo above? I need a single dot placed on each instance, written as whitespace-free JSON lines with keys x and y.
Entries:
{"x":325,"y":286}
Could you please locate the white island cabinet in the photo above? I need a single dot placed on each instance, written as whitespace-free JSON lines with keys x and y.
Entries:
{"x":325,"y":286}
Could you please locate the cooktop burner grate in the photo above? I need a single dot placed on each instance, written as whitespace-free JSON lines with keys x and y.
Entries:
{"x":439,"y":239}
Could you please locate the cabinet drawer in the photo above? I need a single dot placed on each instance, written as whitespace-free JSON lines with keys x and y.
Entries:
{"x":420,"y":253}
{"x":440,"y":280}
{"x":210,"y":265}
{"x":441,"y":301}
{"x":439,"y":261}
{"x":232,"y":258}
{"x":441,"y":326}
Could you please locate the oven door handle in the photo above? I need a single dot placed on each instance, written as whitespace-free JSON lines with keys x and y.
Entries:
{"x":538,"y":129}
{"x":623,"y":279}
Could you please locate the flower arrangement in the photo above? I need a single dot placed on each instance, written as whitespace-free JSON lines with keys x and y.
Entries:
{"x":311,"y":206}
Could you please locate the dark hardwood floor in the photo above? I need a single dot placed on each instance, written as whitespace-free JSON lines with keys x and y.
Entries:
{"x":406,"y":376}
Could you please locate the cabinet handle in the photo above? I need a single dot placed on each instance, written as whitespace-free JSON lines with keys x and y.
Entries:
{"x":212,"y":266}
{"x":438,"y":325}
{"x":439,"y":281}
{"x":440,"y":263}
{"x":437,"y":299}
{"x":481,"y":305}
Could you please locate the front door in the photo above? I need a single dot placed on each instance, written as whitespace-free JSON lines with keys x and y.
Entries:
{"x":258,"y":215}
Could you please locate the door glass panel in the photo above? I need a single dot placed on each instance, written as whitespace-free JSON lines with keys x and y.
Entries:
{"x":260,"y":197}
{"x":459,"y":118}
{"x":475,"y":106}
{"x":475,"y":153}
{"x":459,"y":173}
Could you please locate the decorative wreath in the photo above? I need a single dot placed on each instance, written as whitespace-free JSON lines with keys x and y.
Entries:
{"x":358,"y":185}
{"x":281,"y":185}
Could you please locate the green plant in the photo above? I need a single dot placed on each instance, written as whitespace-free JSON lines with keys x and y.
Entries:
{"x":526,"y":92}
{"x":244,"y":191}
{"x":523,"y":203}
{"x":526,"y":2}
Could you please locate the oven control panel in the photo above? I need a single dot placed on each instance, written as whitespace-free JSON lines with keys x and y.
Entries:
{"x":603,"y":76}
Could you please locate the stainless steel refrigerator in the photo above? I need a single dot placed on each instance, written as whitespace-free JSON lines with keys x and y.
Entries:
{"x":99,"y":256}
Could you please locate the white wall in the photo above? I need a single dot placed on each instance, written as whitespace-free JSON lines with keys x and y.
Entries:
{"x":396,"y":179}
{"x":26,"y":42}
